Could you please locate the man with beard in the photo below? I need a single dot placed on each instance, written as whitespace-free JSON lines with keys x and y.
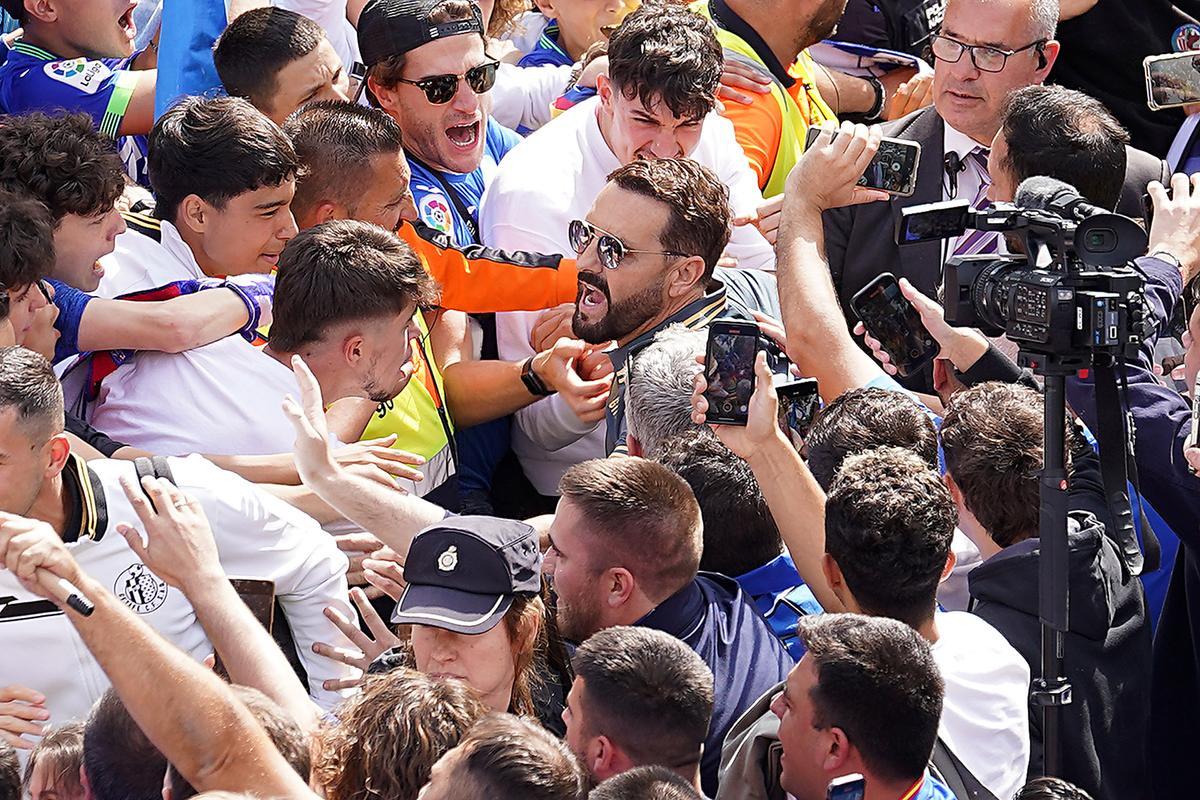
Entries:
{"x":77,"y":55}
{"x":625,"y":550}
{"x":648,"y":251}
{"x":657,"y":102}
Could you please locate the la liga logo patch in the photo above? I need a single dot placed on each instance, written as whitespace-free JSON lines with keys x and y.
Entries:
{"x":435,"y":212}
{"x":80,"y":73}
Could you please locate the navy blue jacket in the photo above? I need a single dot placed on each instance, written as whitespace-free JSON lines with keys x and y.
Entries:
{"x":714,"y":617}
{"x":1163,"y":421}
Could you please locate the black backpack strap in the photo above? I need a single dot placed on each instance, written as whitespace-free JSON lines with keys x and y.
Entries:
{"x":152,"y":467}
{"x":958,"y":779}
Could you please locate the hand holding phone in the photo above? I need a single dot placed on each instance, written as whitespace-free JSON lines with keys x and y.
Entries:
{"x":893,"y":169}
{"x":895,"y":322}
{"x":729,"y":370}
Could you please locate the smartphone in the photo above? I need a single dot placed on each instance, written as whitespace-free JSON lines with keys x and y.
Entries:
{"x":729,"y":370}
{"x":1194,"y":436}
{"x":798,"y":404}
{"x":892,"y":170}
{"x":259,"y":597}
{"x":847,"y":787}
{"x":1172,"y":80}
{"x":890,"y":318}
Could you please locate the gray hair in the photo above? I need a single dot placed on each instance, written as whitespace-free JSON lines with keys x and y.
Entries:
{"x":1043,"y":18}
{"x":658,"y":395}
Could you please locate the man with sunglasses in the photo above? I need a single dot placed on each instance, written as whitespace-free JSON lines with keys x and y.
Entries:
{"x":656,"y":102}
{"x":429,"y":71}
{"x":986,"y":50}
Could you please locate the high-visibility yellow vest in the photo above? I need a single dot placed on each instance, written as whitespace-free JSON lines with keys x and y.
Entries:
{"x":419,"y":418}
{"x":806,"y":107}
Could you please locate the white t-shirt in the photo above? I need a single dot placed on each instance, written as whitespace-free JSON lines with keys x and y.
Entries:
{"x":985,"y":713}
{"x":542,"y":184}
{"x":223,"y":398}
{"x":257,"y":536}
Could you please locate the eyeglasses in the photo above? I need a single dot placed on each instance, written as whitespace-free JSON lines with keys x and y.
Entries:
{"x":440,"y":89}
{"x":985,"y":57}
{"x":609,"y":248}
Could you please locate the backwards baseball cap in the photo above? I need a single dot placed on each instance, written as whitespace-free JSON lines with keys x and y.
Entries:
{"x":464,"y":572}
{"x":392,"y":27}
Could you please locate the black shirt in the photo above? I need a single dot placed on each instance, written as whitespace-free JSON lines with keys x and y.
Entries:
{"x":1102,"y":52}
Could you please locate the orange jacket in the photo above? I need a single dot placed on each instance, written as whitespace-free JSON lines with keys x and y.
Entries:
{"x":480,"y":280}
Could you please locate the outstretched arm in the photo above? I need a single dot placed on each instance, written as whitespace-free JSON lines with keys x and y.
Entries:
{"x":823,"y":178}
{"x":185,"y":710}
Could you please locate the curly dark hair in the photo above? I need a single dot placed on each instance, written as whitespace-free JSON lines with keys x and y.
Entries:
{"x":62,"y":161}
{"x":665,"y":52}
{"x":863,"y":419}
{"x":889,"y":520}
{"x":26,"y":240}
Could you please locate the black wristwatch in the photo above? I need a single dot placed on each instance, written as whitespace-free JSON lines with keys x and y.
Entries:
{"x":536,"y":386}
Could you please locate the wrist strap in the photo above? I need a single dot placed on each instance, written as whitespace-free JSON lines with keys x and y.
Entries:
{"x":533,"y":382}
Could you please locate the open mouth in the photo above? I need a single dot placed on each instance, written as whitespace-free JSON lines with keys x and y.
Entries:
{"x":463,"y":136}
{"x":590,"y":300}
{"x":125,"y":21}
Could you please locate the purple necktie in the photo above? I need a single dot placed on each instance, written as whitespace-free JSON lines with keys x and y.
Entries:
{"x":977,"y":242}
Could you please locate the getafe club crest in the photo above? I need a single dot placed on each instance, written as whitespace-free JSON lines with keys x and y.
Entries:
{"x":140,"y":589}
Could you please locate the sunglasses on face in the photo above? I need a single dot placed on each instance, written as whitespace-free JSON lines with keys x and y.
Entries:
{"x":609,"y":249}
{"x":440,"y":89}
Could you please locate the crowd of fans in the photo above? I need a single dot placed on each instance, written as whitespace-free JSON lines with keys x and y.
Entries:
{"x":355,"y":435}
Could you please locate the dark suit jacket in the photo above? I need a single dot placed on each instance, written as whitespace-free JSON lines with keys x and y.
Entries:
{"x":860,"y":240}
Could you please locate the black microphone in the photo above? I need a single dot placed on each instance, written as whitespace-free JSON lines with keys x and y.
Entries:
{"x":1047,"y":194}
{"x":954,"y":164}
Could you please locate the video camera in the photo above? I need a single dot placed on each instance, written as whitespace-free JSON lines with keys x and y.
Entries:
{"x":1069,"y":292}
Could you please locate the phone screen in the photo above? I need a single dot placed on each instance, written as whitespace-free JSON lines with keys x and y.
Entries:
{"x":798,"y":404}
{"x":893,"y":169}
{"x":1173,"y":80}
{"x":729,"y":371}
{"x":890,"y":318}
{"x":933,"y":224}
{"x":259,"y":596}
{"x":847,"y":787}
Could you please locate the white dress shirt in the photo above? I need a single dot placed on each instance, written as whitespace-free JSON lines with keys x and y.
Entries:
{"x":542,"y":184}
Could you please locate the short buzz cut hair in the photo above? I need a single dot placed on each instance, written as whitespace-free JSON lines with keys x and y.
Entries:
{"x":26,"y":241}
{"x":878,"y":682}
{"x":215,"y":149}
{"x":340,"y":271}
{"x":648,"y":692}
{"x":658,"y":394}
{"x":889,"y":520}
{"x":336,"y":142}
{"x":664,"y":52}
{"x":863,"y":419}
{"x":28,"y":385}
{"x":645,"y":783}
{"x":250,"y":53}
{"x":641,"y":516}
{"x":508,"y":756}
{"x":700,"y":219}
{"x":61,"y":160}
{"x":1067,"y":135}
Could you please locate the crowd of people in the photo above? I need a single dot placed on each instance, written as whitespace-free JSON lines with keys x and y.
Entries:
{"x":355,"y":425}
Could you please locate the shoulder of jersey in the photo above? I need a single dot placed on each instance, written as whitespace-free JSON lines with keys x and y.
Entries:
{"x":144,"y":224}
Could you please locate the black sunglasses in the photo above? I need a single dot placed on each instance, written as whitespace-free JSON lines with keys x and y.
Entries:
{"x":609,"y":248}
{"x":440,"y":89}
